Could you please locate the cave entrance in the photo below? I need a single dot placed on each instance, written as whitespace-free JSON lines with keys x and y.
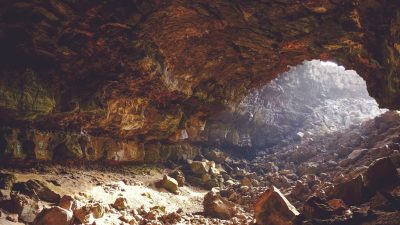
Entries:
{"x":311,"y":99}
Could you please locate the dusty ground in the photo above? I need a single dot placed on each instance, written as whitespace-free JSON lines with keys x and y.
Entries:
{"x":104,"y":185}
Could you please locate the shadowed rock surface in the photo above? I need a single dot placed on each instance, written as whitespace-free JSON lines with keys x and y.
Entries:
{"x":154,"y":70}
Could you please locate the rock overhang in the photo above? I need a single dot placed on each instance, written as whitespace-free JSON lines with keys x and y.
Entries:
{"x":150,"y":69}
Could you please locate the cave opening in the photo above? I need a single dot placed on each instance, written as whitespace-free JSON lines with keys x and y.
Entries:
{"x":310,"y":100}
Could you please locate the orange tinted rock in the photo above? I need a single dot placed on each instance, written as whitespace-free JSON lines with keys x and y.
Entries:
{"x":218,"y":207}
{"x":272,"y":207}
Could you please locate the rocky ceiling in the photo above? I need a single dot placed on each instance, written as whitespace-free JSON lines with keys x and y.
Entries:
{"x":156,"y":69}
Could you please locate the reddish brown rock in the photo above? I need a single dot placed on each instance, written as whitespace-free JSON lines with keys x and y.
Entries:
{"x":54,"y":216}
{"x":216,"y":206}
{"x":272,"y":207}
{"x":128,"y":73}
{"x":380,"y":173}
{"x":351,"y":192}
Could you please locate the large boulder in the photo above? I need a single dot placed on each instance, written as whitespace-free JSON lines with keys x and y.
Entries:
{"x":39,"y":188}
{"x":26,"y":208}
{"x":6,"y":180}
{"x":380,"y":173}
{"x":351,"y":191}
{"x":54,"y":216}
{"x":217,"y":206}
{"x":84,"y":215}
{"x":200,"y":167}
{"x":272,"y":207}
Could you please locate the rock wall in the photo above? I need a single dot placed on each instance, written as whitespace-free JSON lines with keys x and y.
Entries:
{"x":155,"y":70}
{"x":23,"y":146}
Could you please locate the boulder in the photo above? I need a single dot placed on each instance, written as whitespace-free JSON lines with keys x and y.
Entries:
{"x":54,"y":216}
{"x":356,"y":154}
{"x":273,"y":208}
{"x":317,"y":208}
{"x":97,"y":210}
{"x":26,"y":208}
{"x":199,"y":167}
{"x":120,"y":203}
{"x":216,"y":155}
{"x":179,"y":177}
{"x":7,"y":180}
{"x":67,"y":202}
{"x":39,"y":188}
{"x":351,"y":192}
{"x":84,"y":215}
{"x":217,"y":206}
{"x":170,"y":184}
{"x":380,"y":173}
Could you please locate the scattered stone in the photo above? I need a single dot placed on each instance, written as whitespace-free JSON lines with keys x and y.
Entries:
{"x":12,"y":217}
{"x":246,"y":182}
{"x":26,"y":208}
{"x":308,"y":168}
{"x":7,"y":180}
{"x":54,"y":216}
{"x":179,"y":177}
{"x":68,"y":203}
{"x":84,"y":215}
{"x":217,"y":155}
{"x":35,"y":187}
{"x":351,"y":192}
{"x":356,"y":154}
{"x":97,"y":210}
{"x":218,"y":207}
{"x":120,"y":203}
{"x":380,"y":173}
{"x":200,"y":167}
{"x":317,"y":208}
{"x":273,"y":208}
{"x":170,"y":184}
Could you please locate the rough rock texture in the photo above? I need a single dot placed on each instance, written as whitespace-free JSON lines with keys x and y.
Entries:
{"x":312,"y":98}
{"x":154,"y":70}
{"x":273,"y":208}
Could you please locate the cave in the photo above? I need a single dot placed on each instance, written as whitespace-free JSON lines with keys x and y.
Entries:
{"x":264,"y":112}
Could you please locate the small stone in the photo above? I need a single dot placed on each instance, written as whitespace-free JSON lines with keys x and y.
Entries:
{"x":54,"y":216}
{"x":97,"y":210}
{"x":67,"y":202}
{"x":218,"y":207}
{"x":39,"y":188}
{"x":246,"y":182}
{"x":84,"y":215}
{"x":12,"y":217}
{"x":356,"y":154}
{"x":170,"y":184}
{"x":308,"y":168}
{"x":200,"y":167}
{"x":179,"y":177}
{"x":216,"y":155}
{"x":120,"y":203}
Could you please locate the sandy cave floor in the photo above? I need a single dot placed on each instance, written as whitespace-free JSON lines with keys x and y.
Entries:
{"x":104,"y":185}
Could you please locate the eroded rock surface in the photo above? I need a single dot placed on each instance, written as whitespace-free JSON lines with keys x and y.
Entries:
{"x":155,"y":70}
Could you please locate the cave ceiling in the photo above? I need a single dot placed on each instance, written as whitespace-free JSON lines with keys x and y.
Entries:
{"x":151,"y":69}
